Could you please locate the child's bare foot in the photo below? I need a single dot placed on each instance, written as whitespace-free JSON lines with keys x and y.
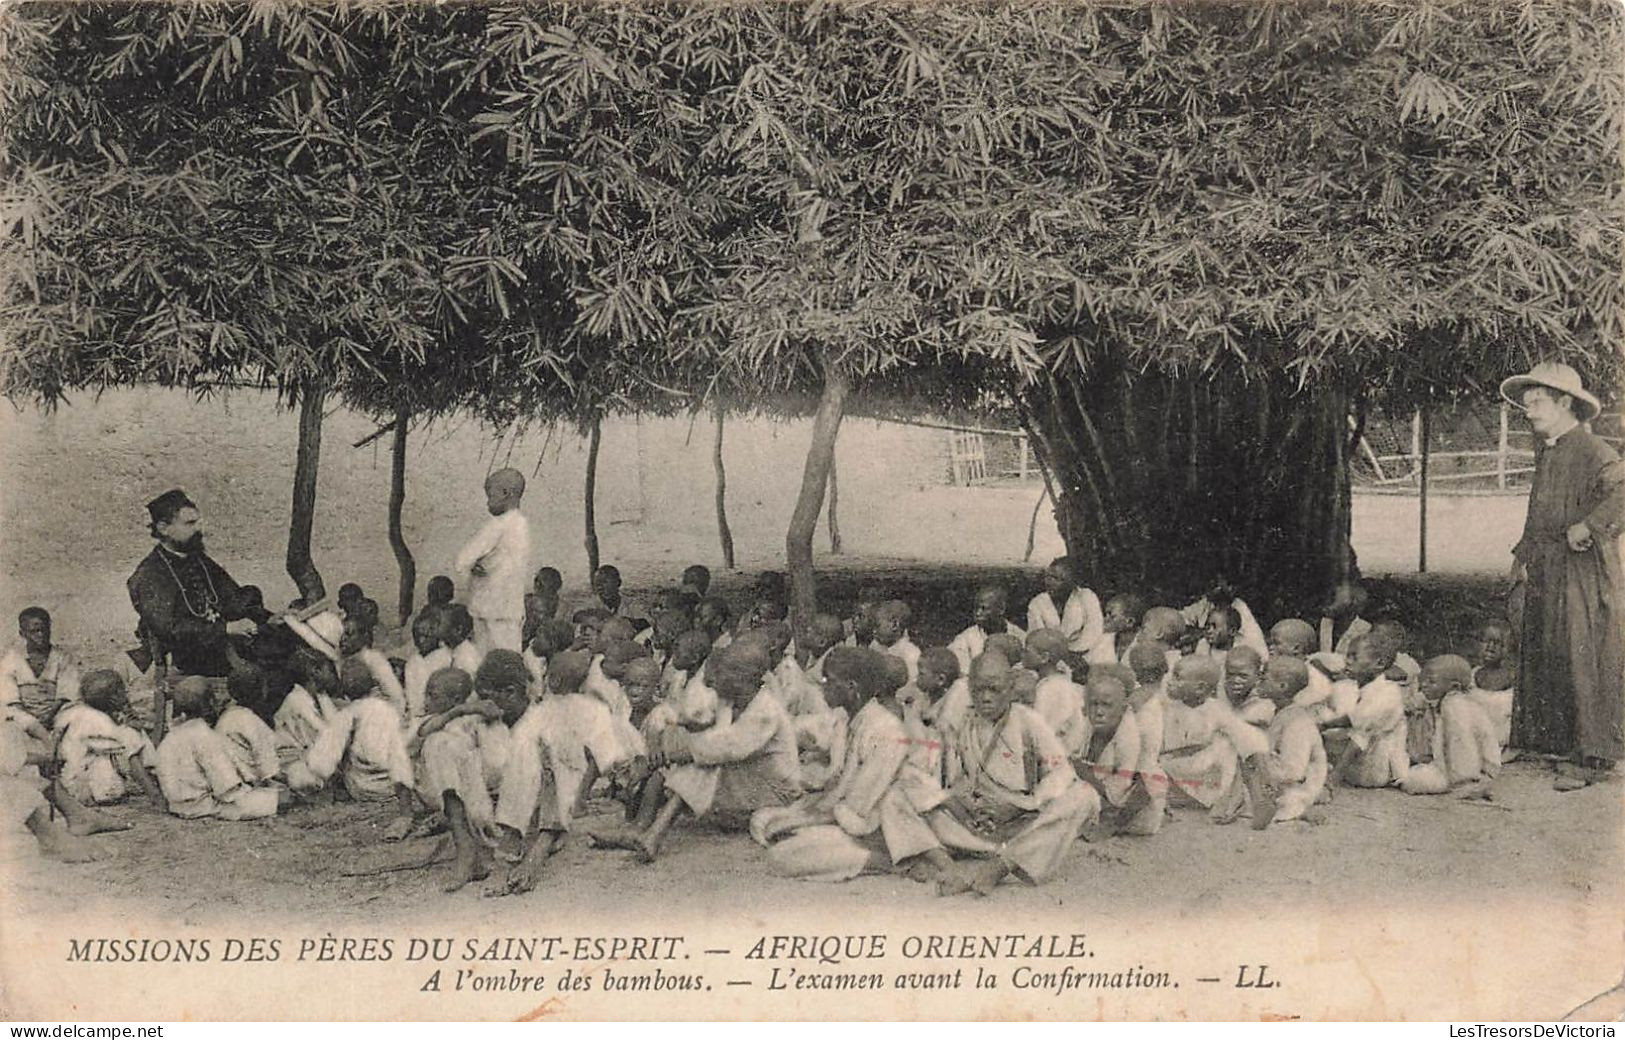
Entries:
{"x":425,"y":826}
{"x":89,"y":821}
{"x":521,"y":878}
{"x":624,"y":839}
{"x":985,"y":876}
{"x":1315,"y":815}
{"x":646,"y":849}
{"x":956,"y":883}
{"x":399,"y":828}
{"x":921,"y":870}
{"x":470,"y":865}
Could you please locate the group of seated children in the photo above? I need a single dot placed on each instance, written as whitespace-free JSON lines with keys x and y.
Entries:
{"x":849,"y":751}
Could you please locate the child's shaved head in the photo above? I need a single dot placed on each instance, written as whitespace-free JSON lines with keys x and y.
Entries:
{"x":190,"y":694}
{"x":1242,"y":657}
{"x":1283,"y":678}
{"x":940,"y":662}
{"x":1163,"y":625}
{"x":825,"y":631}
{"x":619,"y":654}
{"x":507,"y":480}
{"x":895,"y":672}
{"x":1292,"y":636}
{"x":446,"y":688}
{"x":1005,"y":645}
{"x":355,"y":679}
{"x":1149,"y":662}
{"x":1197,"y":669}
{"x":690,"y":650}
{"x":567,"y":671}
{"x":1047,"y":644}
{"x":641,"y":670}
{"x":1445,"y":674}
{"x":501,"y":669}
{"x":440,"y":591}
{"x":104,"y":691}
{"x":616,"y":629}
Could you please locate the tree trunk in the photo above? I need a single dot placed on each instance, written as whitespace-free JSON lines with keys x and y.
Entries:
{"x":301,"y":568}
{"x":798,"y":543}
{"x":723,"y":531}
{"x":1160,"y":488}
{"x":591,"y":496}
{"x":397,"y":498}
{"x":834,"y":510}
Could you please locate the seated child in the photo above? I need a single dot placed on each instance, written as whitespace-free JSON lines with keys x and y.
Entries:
{"x":1242,"y":670}
{"x":1495,"y":678}
{"x":196,"y":771}
{"x":307,"y":708}
{"x":868,"y":820}
{"x":1056,"y":697}
{"x":251,"y":742}
{"x":1376,"y":752}
{"x":1210,"y":755}
{"x":685,"y":699}
{"x":541,"y":602}
{"x":1325,"y":696}
{"x":350,"y":597}
{"x":736,"y":767}
{"x":360,"y":622}
{"x":429,"y":655}
{"x":102,"y":758}
{"x":663,"y":633}
{"x":557,"y":746}
{"x":1452,"y":742}
{"x":1341,"y":622}
{"x":989,"y":618}
{"x":1007,"y":646}
{"x":1222,"y":597}
{"x":1297,"y":759}
{"x":36,"y":674}
{"x":25,"y":749}
{"x":1405,"y":670}
{"x":861,"y":625}
{"x":936,"y":701}
{"x":553,"y":636}
{"x":1149,"y":702}
{"x":462,"y":751}
{"x":821,"y":728}
{"x":457,"y":635}
{"x":1109,"y":760}
{"x":363,"y":743}
{"x":613,"y":632}
{"x":1220,"y":632}
{"x":1013,"y":795}
{"x":1164,"y":628}
{"x":1121,"y":626}
{"x":825,"y":633}
{"x":891,"y":634}
{"x":715,"y":618}
{"x":697,"y":579}
{"x":606,"y":587}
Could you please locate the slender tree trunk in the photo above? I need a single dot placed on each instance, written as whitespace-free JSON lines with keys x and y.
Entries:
{"x":397,"y":498}
{"x":590,"y":496}
{"x":724,"y":532}
{"x":834,"y":517}
{"x":798,"y":543}
{"x":301,"y":568}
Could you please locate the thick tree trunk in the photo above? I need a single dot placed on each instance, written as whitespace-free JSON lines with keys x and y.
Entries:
{"x":397,"y":498}
{"x":724,"y":532}
{"x":1164,"y":484}
{"x":798,"y":543}
{"x":590,"y":496}
{"x":301,"y":568}
{"x":834,"y":517}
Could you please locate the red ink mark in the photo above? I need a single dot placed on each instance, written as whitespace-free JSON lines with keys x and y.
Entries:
{"x":550,"y":1006}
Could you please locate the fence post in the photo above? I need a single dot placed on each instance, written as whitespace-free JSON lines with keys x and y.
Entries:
{"x":1416,"y":440}
{"x":1501,"y":453}
{"x":1421,"y":432}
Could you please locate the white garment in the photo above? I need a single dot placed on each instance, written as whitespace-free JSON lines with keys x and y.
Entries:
{"x":1378,"y":729}
{"x":905,"y":650}
{"x":502,"y":546}
{"x":1059,"y":701}
{"x":418,"y":669}
{"x":967,"y":646}
{"x":89,"y":745}
{"x":252,"y":744}
{"x":1081,"y":621}
{"x":199,"y":778}
{"x":19,"y":684}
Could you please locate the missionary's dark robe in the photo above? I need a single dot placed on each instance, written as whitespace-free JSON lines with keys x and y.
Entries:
{"x":185,"y":600}
{"x":1571,"y":683}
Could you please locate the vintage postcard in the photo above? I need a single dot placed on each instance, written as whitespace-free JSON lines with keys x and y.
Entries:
{"x":888,"y":511}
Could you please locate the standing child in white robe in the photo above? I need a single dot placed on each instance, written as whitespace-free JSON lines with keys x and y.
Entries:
{"x":102,"y":758}
{"x":497,"y":561}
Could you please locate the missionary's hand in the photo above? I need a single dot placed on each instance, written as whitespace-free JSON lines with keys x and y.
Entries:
{"x":241,"y":627}
{"x":1580,"y":537}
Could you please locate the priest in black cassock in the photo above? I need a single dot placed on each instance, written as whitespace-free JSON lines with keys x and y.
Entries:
{"x":184,"y":598}
{"x":1571,"y":676}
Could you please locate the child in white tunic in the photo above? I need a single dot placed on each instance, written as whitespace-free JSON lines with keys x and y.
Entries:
{"x":102,"y":759}
{"x":497,"y":561}
{"x":196,"y":772}
{"x":363,"y":743}
{"x":1457,"y":750}
{"x":1376,"y":753}
{"x":988,"y":618}
{"x":307,"y":708}
{"x":252,"y":743}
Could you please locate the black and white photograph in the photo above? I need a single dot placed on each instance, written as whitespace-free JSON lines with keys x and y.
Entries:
{"x":812,"y":510}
